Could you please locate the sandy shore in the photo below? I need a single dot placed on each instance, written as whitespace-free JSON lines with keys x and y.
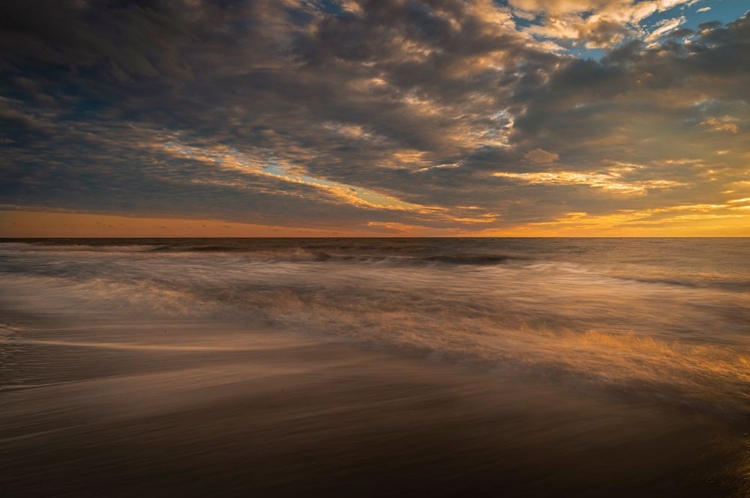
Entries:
{"x":198,"y":411}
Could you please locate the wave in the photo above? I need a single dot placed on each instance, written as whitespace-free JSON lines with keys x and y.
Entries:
{"x":71,"y":246}
{"x":472,"y":259}
{"x":311,"y":254}
{"x":698,"y":282}
{"x":280,"y":250}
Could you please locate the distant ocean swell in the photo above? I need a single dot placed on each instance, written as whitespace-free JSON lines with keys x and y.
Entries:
{"x":403,"y":255}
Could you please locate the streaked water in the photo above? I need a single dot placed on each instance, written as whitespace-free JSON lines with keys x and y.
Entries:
{"x":509,"y":367}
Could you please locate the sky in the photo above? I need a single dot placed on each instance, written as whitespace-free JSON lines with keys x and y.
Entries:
{"x":374,"y":118}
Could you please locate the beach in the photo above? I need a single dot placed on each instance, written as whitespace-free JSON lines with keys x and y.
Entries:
{"x":105,"y":397}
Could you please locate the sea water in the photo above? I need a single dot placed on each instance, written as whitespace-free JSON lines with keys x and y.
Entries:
{"x":497,"y":367}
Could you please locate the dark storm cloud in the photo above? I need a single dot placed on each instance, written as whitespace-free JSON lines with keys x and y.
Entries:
{"x":343,"y":113}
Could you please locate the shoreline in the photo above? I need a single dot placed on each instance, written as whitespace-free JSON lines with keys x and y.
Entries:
{"x":293,"y":417}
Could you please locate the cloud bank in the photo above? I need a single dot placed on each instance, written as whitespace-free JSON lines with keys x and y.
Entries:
{"x":456,"y":117}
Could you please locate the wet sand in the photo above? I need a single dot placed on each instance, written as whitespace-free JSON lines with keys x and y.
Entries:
{"x":207,"y":410}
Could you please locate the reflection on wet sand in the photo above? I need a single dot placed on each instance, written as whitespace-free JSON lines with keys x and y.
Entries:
{"x":280,"y":416}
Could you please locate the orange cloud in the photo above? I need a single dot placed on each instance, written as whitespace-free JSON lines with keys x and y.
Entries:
{"x":719,"y":125}
{"x":610,"y":180}
{"x":541,"y":156}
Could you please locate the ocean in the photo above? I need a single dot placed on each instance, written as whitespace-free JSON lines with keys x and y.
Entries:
{"x":375,"y":367}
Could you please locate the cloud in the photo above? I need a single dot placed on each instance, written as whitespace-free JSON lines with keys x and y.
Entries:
{"x":612,"y":180}
{"x":721,"y":125}
{"x":540,"y":156}
{"x":357,"y":114}
{"x":598,"y":23}
{"x":665,"y":26}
